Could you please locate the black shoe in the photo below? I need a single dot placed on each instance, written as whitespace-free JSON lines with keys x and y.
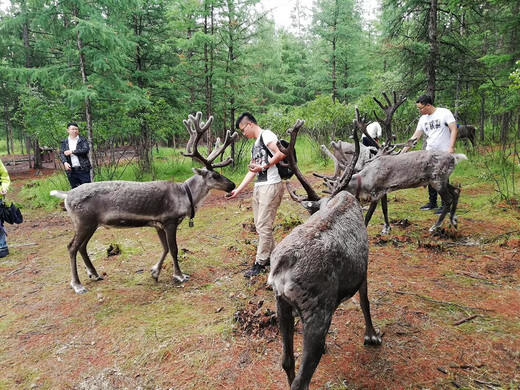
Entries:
{"x":428,"y":206}
{"x":255,"y":270}
{"x":438,"y":211}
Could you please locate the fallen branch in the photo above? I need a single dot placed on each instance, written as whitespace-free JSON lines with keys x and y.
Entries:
{"x":15,"y":271}
{"x":478,"y":277}
{"x":467,"y":319}
{"x":20,"y":245}
{"x":489,"y":384}
{"x":441,"y":302}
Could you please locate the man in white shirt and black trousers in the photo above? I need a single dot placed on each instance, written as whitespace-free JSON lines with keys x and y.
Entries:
{"x":440,"y":126}
{"x":74,"y":156}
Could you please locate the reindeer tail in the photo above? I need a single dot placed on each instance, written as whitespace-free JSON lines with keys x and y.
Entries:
{"x":459,"y":157}
{"x":59,"y":194}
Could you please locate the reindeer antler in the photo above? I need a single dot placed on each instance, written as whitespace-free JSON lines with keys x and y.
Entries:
{"x":389,"y":110}
{"x":289,"y":153}
{"x":196,"y":128}
{"x":343,"y":181}
{"x":339,"y":164}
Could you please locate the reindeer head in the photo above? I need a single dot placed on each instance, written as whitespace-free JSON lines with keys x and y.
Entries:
{"x":313,"y":202}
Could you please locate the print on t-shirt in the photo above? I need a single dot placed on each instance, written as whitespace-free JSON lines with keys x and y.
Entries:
{"x":259,"y":156}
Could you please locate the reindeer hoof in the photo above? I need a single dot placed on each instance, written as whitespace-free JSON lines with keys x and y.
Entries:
{"x":95,"y":278}
{"x":374,"y":339}
{"x":181,"y":279}
{"x":78,"y":288}
{"x":454,"y":222}
{"x":155,"y":274}
{"x":434,"y":228}
{"x":386,"y":230}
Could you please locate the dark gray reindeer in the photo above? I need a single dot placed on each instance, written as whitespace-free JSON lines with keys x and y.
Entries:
{"x":159,"y":204}
{"x":466,"y":132}
{"x":320,"y":264}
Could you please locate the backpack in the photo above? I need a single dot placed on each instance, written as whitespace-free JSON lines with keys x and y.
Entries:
{"x":283,"y":167}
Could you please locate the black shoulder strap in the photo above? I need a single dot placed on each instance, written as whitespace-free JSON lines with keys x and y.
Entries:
{"x":264,"y":145}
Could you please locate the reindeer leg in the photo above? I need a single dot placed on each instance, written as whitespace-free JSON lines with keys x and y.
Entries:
{"x":384,"y":207}
{"x":370,"y":211}
{"x":156,"y":269}
{"x":455,"y":193}
{"x":171,"y":237}
{"x":80,"y":238}
{"x":446,"y":201}
{"x":372,"y":336}
{"x":286,"y":325}
{"x":91,"y":270}
{"x":315,"y":330}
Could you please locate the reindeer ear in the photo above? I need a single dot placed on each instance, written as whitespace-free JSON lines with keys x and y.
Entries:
{"x":198,"y":171}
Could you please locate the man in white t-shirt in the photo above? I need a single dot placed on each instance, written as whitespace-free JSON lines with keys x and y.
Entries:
{"x":439,"y":125}
{"x":268,"y":190}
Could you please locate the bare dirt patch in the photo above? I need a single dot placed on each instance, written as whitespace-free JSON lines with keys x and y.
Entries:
{"x":447,"y":307}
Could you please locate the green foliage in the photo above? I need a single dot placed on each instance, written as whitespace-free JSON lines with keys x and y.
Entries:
{"x":147,"y":65}
{"x":326,"y":120}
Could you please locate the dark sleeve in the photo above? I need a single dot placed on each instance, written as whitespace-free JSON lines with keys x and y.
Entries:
{"x":63,"y":147}
{"x":82,"y":148}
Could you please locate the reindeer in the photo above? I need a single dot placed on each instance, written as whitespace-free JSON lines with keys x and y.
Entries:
{"x":467,"y":132}
{"x":160,"y":204}
{"x":320,"y":264}
{"x":390,"y":172}
{"x":408,"y":170}
{"x":341,"y":149}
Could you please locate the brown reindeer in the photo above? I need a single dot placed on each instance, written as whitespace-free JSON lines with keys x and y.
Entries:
{"x":159,"y":204}
{"x":320,"y":264}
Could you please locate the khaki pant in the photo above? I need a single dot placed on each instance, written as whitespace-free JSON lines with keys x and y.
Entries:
{"x":266,"y":200}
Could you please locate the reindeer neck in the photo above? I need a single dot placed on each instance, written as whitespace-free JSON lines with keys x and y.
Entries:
{"x":198,"y":188}
{"x":354,"y":184}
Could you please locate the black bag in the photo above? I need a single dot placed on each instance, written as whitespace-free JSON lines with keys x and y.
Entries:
{"x":10,"y":214}
{"x":283,"y":167}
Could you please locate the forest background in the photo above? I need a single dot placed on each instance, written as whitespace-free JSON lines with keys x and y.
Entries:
{"x":130,"y":72}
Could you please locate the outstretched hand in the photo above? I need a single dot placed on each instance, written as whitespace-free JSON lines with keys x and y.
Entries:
{"x":232,"y":195}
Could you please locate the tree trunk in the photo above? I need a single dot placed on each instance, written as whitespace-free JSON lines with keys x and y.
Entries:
{"x":208,"y":69}
{"x":482,"y":116}
{"x":37,"y":155}
{"x":504,"y":127}
{"x":145,"y":148}
{"x":28,"y":64}
{"x":21,"y":138}
{"x":334,"y":39}
{"x":431,"y":64}
{"x":144,"y":151}
{"x":88,"y":108}
{"x":7,"y":126}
